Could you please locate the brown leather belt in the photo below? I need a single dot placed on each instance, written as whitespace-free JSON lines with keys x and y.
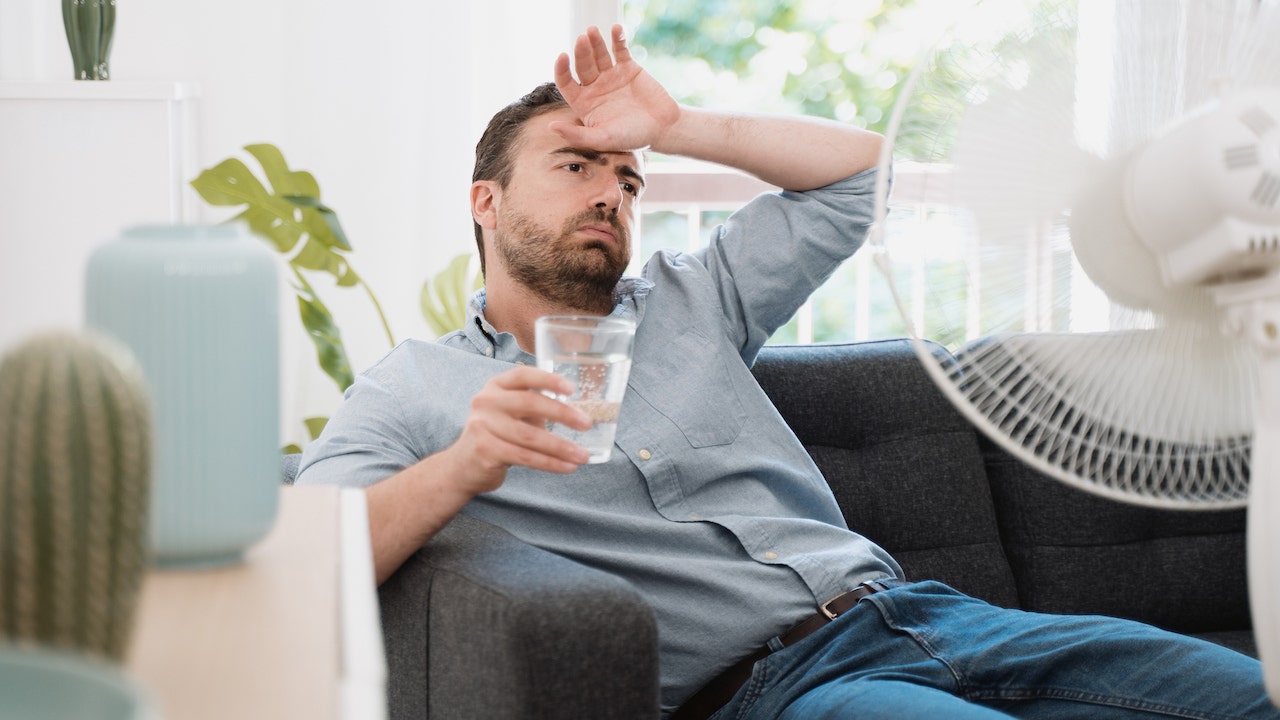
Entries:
{"x":719,"y":691}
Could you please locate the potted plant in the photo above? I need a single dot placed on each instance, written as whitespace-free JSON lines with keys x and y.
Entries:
{"x":285,"y":210}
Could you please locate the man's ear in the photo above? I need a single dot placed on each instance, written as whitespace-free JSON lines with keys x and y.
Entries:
{"x":484,"y":202}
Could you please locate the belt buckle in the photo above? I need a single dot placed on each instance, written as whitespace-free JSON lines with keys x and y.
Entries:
{"x":863,"y":590}
{"x":825,"y":608}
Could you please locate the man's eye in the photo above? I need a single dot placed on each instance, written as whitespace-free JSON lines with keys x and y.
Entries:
{"x":574,"y":167}
{"x":629,"y":188}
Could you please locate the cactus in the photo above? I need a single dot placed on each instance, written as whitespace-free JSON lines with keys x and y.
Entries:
{"x":75,"y":477}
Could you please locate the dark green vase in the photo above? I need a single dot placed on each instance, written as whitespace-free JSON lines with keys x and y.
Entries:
{"x":89,"y":25}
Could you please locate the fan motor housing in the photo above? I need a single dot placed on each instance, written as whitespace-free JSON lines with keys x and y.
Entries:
{"x":1205,"y":196}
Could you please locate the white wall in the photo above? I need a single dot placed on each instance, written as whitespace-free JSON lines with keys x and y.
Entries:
{"x":383,"y":102}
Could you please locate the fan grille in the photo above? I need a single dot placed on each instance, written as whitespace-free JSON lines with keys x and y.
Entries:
{"x":1035,"y":411}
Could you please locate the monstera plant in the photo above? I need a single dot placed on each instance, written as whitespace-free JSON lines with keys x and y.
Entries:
{"x":286,"y":211}
{"x":443,"y":299}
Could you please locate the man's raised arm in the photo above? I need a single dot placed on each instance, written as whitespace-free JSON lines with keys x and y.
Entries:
{"x":623,"y":108}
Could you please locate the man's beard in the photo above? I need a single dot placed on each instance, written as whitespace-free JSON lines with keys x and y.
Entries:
{"x":564,"y":270}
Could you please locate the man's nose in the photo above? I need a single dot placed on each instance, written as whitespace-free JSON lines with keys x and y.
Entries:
{"x":608,"y":194}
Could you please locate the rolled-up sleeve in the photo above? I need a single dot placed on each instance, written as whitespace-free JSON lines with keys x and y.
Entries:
{"x":367,"y":439}
{"x":769,"y":256}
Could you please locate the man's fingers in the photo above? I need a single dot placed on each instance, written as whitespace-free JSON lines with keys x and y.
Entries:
{"x":518,"y":393}
{"x":564,"y":78}
{"x":599,"y":50}
{"x":584,"y":60}
{"x":540,"y":409}
{"x":579,"y":136}
{"x":531,"y":378}
{"x":508,"y":422}
{"x":538,"y":447}
{"x":510,"y":441}
{"x":621,"y":53}
{"x":591,"y":55}
{"x":520,"y":447}
{"x":525,"y":457}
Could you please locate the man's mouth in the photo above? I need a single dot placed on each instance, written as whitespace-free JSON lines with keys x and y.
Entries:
{"x":599,"y":231}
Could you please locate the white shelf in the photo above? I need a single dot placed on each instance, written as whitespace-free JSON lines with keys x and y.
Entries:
{"x":98,"y":90}
{"x":79,"y":162}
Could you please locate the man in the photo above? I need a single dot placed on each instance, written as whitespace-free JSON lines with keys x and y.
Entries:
{"x":709,"y":507}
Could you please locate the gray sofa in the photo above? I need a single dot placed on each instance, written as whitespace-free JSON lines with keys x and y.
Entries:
{"x":481,"y":625}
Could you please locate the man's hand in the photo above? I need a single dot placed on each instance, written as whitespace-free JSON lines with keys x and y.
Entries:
{"x":621,"y":106}
{"x":507,"y":427}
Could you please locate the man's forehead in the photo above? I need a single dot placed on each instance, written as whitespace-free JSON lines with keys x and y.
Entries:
{"x":539,"y":137}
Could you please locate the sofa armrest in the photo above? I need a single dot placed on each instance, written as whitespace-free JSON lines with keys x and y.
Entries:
{"x":479,"y":624}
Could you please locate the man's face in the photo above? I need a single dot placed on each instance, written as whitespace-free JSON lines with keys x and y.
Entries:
{"x":564,"y":222}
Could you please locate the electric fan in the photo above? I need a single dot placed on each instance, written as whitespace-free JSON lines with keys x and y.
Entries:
{"x":1111,"y":306}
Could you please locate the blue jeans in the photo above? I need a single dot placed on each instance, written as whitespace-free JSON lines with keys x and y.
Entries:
{"x":926,"y":651}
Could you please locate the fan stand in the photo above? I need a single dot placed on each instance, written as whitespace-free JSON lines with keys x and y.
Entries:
{"x":1253,"y":312}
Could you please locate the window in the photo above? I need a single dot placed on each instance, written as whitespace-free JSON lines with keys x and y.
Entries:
{"x":843,"y":59}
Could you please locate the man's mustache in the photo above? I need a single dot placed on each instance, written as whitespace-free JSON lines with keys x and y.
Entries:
{"x":599,"y":215}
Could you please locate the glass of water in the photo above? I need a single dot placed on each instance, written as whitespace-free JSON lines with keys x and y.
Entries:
{"x":594,"y":353}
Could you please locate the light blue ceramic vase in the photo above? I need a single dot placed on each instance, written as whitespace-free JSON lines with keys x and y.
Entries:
{"x":40,"y":684}
{"x":198,"y":307}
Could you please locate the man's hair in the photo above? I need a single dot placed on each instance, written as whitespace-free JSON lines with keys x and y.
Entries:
{"x":495,"y":153}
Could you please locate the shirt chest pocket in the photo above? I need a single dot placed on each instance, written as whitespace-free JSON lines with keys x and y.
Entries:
{"x":689,"y":381}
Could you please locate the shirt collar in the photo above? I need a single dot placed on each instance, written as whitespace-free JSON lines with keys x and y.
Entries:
{"x":628,"y":299}
{"x":486,"y":339}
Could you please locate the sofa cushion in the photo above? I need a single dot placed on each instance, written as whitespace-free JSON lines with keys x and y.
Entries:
{"x":1076,"y":552}
{"x":905,"y":467}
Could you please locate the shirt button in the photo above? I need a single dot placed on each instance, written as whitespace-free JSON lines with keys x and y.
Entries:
{"x":488,"y":351}
{"x":644,"y":454}
{"x":520,"y":363}
{"x":771,"y":555}
{"x":694,"y":517}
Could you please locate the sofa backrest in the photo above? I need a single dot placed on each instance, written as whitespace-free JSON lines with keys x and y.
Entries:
{"x":1075,"y":552}
{"x":914,"y":476}
{"x":905,"y":467}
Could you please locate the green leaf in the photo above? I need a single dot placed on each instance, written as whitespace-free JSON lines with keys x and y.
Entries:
{"x":323,"y":225}
{"x":335,"y":227}
{"x":315,"y":256}
{"x":449,"y":285}
{"x":435,"y":319}
{"x":462,"y":290}
{"x":443,"y":299}
{"x":284,"y":233}
{"x":229,"y":183}
{"x":307,"y":201}
{"x":347,"y":276}
{"x":330,"y":352}
{"x":315,"y":425}
{"x":283,"y":180}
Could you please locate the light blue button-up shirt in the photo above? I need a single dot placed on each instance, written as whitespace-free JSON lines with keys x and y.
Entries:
{"x":709,"y":506}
